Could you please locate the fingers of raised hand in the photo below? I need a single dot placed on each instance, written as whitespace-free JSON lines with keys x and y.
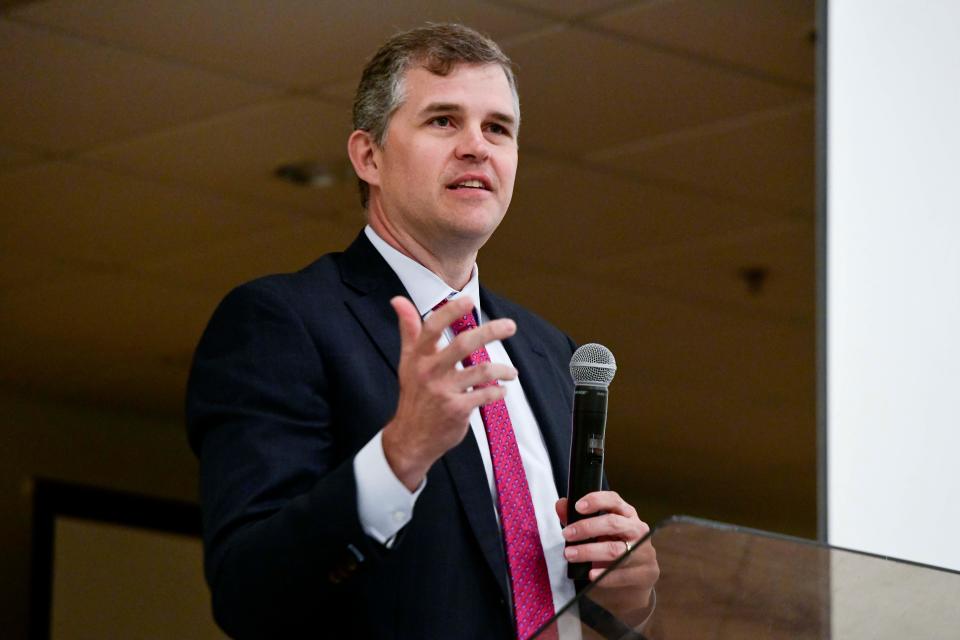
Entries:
{"x":485,"y":395}
{"x":483,"y":374}
{"x":469,"y":341}
{"x":460,"y":391}
{"x":463,"y":385}
{"x":442,"y":318}
{"x":408,"y":320}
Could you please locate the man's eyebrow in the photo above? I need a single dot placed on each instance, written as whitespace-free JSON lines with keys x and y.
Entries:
{"x":451,"y":107}
{"x":440,"y":107}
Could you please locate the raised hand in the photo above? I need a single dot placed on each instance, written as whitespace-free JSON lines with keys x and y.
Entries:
{"x":436,"y":398}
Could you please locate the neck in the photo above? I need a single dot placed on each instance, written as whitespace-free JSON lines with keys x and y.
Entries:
{"x":452,"y":264}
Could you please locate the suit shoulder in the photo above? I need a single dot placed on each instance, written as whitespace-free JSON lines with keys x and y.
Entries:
{"x":527,"y":319}
{"x":319,"y":278}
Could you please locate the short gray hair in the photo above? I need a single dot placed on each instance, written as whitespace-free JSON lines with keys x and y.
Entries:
{"x":438,"y":48}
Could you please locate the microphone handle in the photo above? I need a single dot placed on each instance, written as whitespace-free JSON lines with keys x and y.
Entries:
{"x":586,"y":456}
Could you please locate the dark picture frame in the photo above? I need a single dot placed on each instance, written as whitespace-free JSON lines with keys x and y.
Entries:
{"x":54,"y":498}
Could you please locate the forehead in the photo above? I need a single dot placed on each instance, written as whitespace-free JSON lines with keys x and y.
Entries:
{"x":481,"y":87}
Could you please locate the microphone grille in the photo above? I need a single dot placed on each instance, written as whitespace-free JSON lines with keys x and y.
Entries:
{"x":593,"y":364}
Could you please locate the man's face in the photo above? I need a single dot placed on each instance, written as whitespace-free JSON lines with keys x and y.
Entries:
{"x":448,"y":162}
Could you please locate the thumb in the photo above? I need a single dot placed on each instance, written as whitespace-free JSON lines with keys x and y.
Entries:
{"x":408,"y":320}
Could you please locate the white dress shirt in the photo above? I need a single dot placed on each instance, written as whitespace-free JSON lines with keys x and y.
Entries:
{"x":385,"y":505}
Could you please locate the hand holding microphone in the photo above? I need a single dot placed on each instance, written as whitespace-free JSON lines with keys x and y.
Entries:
{"x":599,"y":526}
{"x":592,"y":368}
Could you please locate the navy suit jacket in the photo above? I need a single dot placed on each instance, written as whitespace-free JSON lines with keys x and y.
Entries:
{"x":293,"y":375}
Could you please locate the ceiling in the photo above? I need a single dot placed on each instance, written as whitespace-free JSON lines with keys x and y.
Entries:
{"x":667,"y":157}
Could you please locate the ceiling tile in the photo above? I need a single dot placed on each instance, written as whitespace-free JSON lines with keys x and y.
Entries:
{"x":621,"y":92}
{"x":61,"y":93}
{"x":665,"y":328}
{"x":95,"y":378}
{"x":23,"y":270}
{"x":111,"y":222}
{"x":767,"y":158}
{"x":586,"y":215}
{"x":220,"y":267}
{"x":767,"y":271}
{"x":296,"y":43}
{"x":118,"y":314}
{"x":339,"y":92}
{"x":535,"y":166}
{"x":563,"y":8}
{"x":772,"y":36}
{"x":11,"y":157}
{"x":237,"y":154}
{"x":102,"y":337}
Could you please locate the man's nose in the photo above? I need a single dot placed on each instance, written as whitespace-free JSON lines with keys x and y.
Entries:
{"x":472,"y":144}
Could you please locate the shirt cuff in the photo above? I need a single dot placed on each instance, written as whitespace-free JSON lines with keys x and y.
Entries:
{"x":383,"y":502}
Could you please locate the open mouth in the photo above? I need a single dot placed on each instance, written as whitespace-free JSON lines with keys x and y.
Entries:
{"x":470,"y":184}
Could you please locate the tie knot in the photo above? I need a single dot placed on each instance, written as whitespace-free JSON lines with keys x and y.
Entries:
{"x":463,"y":323}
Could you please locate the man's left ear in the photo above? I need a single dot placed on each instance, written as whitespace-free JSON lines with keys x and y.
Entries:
{"x":362,"y":151}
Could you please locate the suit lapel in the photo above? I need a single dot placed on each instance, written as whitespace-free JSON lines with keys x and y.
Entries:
{"x":465,"y":466}
{"x":365,"y":271}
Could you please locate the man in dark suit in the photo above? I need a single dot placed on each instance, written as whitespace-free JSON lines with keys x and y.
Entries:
{"x":380,"y":456}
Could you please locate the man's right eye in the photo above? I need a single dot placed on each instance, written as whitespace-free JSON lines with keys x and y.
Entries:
{"x":441,"y":121}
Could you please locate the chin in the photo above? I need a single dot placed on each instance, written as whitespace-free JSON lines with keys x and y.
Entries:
{"x":469,"y":236}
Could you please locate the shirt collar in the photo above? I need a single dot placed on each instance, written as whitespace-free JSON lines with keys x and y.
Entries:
{"x":426,"y":288}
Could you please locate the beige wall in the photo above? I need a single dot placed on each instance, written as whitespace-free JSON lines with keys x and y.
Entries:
{"x":115,"y":581}
{"x":127,"y":452}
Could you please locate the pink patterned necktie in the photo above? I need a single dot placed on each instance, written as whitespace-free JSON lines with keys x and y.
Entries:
{"x":529,"y":581}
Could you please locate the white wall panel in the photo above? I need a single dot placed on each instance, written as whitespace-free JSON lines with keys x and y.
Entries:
{"x":893,"y":283}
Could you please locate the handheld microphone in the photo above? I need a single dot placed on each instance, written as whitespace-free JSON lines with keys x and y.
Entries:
{"x":592,"y":368}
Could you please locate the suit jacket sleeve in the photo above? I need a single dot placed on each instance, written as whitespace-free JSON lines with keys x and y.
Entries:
{"x":281,"y":529}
